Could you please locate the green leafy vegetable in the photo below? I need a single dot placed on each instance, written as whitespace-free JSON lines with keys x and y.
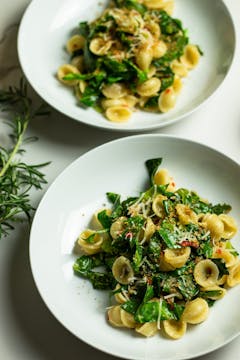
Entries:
{"x":152,"y":167}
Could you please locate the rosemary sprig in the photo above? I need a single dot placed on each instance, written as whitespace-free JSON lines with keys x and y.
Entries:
{"x":17,"y":177}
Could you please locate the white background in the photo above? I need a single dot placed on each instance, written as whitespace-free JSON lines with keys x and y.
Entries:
{"x":27,"y":329}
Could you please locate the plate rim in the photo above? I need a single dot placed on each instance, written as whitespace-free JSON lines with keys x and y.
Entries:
{"x":43,"y":296}
{"x":122,"y":128}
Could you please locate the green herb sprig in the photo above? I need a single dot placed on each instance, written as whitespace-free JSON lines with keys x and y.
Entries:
{"x":17,"y":177}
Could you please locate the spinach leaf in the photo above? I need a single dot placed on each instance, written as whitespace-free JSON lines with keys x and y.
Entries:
{"x":131,"y":305}
{"x":131,"y":4}
{"x":169,"y":25}
{"x":205,"y":248}
{"x":102,"y":281}
{"x":152,"y":167}
{"x":153,"y":310}
{"x":221,"y":209}
{"x":169,"y":235}
{"x":84,"y":29}
{"x":117,"y":207}
{"x":104,"y":219}
{"x":223,"y":270}
{"x":187,"y":286}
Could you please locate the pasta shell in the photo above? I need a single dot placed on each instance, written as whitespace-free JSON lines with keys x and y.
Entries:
{"x":214,"y":224}
{"x":127,"y":319}
{"x":150,"y":87}
{"x":100,"y":46}
{"x":222,"y":292}
{"x":206,"y":273}
{"x":185,"y":214}
{"x":118,"y":113}
{"x":122,"y":270}
{"x":120,"y":297}
{"x":114,"y":91}
{"x":93,"y":247}
{"x":196,"y":311}
{"x":78,"y":62}
{"x":175,"y":329}
{"x":159,"y":49}
{"x":230,"y":226}
{"x":148,"y":329}
{"x":65,"y":70}
{"x":76,"y":42}
{"x":118,"y":227}
{"x":167,"y":100}
{"x":191,"y":56}
{"x":233,"y":278}
{"x":114,"y":316}
{"x":177,"y":257}
{"x":157,"y":205}
{"x":179,"y":69}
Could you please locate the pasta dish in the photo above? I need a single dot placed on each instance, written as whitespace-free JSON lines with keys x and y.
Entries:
{"x":165,"y":256}
{"x":134,"y":56}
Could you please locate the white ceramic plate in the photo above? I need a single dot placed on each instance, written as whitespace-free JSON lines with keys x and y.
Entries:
{"x":66,"y":209}
{"x":47,"y":25}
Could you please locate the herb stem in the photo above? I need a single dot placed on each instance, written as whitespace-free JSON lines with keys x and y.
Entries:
{"x":15,"y":149}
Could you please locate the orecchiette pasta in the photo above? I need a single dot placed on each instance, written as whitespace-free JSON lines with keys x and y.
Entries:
{"x":150,"y":87}
{"x":174,"y":329}
{"x":118,"y":113}
{"x":179,"y":69}
{"x":162,"y":177}
{"x":148,"y":329}
{"x":191,"y":56}
{"x":196,"y":311}
{"x":157,"y":205}
{"x":122,"y":270}
{"x":185,"y":214}
{"x":114,"y":316}
{"x":177,"y":84}
{"x":167,"y":100}
{"x":127,"y":319}
{"x":99,"y":46}
{"x":114,"y":91}
{"x":120,"y":297}
{"x":177,"y":257}
{"x":144,"y":57}
{"x":78,"y":62}
{"x":233,"y":278}
{"x":118,"y":227}
{"x":206,"y":273}
{"x":90,"y":242}
{"x":76,"y":42}
{"x":214,"y":225}
{"x":95,"y":223}
{"x":159,"y":49}
{"x":229,"y":226}
{"x":214,"y":292}
{"x":65,"y":70}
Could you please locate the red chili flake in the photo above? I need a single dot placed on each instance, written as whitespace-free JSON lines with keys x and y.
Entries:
{"x":149,"y":281}
{"x":168,"y":91}
{"x":219,"y":251}
{"x":129,"y":235}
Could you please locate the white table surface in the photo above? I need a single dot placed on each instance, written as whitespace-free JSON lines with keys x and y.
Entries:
{"x":28,"y":331}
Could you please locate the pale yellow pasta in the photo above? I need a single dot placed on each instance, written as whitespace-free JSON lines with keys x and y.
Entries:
{"x":144,"y":57}
{"x":177,"y":257}
{"x":92,"y":247}
{"x":162,"y":177}
{"x":221,"y":292}
{"x":120,"y":297}
{"x":78,"y":61}
{"x":122,"y":270}
{"x":65,"y":70}
{"x":154,"y":29}
{"x":157,"y":205}
{"x":177,"y":84}
{"x":100,"y":46}
{"x":159,"y":48}
{"x":82,"y":85}
{"x":131,"y":21}
{"x":95,"y":223}
{"x":196,"y":311}
{"x":152,"y":71}
{"x":149,"y":230}
{"x":167,"y":100}
{"x":230,"y":226}
{"x":175,"y":329}
{"x":118,"y":113}
{"x":158,"y":4}
{"x":150,"y":87}
{"x":233,"y":278}
{"x":118,"y":227}
{"x":130,"y":100}
{"x":206,"y":273}
{"x":163,"y":265}
{"x":114,"y":316}
{"x":108,"y":103}
{"x":127,"y":319}
{"x":179,"y":68}
{"x":225,"y":254}
{"x":185,"y":214}
{"x":147,"y":329}
{"x":76,"y":42}
{"x":214,"y":225}
{"x":142,"y":101}
{"x":114,"y":91}
{"x":190,"y":57}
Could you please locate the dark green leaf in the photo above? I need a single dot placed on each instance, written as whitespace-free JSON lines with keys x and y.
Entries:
{"x":152,"y":167}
